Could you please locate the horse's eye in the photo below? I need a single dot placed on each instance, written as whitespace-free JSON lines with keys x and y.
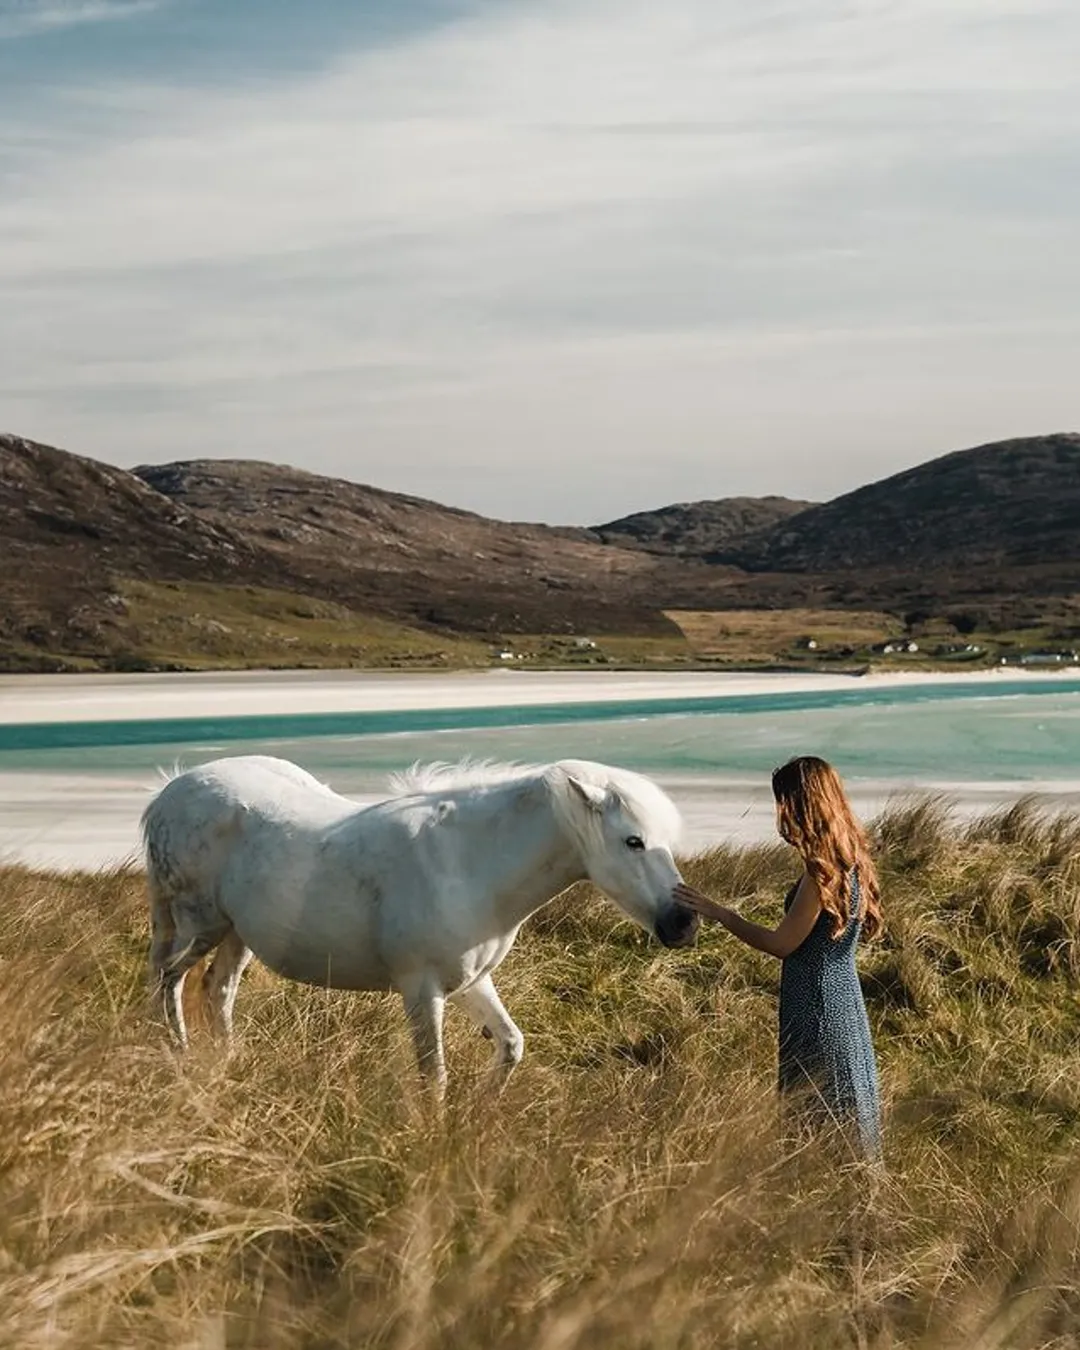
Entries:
{"x":635,"y":841}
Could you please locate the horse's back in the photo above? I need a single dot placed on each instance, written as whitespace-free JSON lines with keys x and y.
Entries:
{"x":259,"y":779}
{"x":202,"y":814}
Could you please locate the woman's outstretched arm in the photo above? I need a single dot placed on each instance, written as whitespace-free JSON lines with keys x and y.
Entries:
{"x":789,"y":934}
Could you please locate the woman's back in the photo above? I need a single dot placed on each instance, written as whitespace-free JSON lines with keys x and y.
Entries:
{"x":825,"y":1046}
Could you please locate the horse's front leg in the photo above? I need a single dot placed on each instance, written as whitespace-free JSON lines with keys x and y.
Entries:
{"x":483,"y":1004}
{"x":424,"y":1005}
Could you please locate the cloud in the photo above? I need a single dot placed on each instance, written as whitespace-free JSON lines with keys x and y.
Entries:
{"x":24,"y":18}
{"x":546,"y":109}
{"x":655,"y":246}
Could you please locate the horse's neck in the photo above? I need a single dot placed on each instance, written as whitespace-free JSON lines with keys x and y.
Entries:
{"x":532,"y":859}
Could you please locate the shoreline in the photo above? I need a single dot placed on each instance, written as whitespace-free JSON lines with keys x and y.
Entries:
{"x":58,"y":699}
{"x":87,"y":817}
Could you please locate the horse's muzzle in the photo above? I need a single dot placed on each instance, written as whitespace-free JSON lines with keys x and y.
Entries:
{"x":677,"y":926}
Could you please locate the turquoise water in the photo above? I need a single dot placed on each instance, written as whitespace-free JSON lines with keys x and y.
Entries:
{"x":1018,"y":731}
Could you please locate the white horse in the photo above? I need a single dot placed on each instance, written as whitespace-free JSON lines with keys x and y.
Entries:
{"x":423,"y":893}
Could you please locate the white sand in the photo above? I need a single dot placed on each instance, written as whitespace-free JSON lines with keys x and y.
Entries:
{"x":104,"y":698}
{"x":70,"y":821}
{"x":91,"y":820}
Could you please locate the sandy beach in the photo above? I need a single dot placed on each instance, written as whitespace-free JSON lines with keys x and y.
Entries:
{"x":90,"y":819}
{"x":91,"y":698}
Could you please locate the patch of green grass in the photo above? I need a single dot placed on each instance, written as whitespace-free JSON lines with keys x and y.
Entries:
{"x":763,"y":635}
{"x":199,"y":625}
{"x":17,"y":658}
{"x":629,"y":1189}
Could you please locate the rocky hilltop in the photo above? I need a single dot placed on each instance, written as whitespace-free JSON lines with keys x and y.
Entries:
{"x":1009,"y":504}
{"x":993,"y":531}
{"x":68,"y":525}
{"x":700,"y":529}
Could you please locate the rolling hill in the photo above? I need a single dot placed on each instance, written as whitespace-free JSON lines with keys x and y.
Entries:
{"x":238,"y":562}
{"x":242,"y":562}
{"x":412,"y":558}
{"x":993,"y":531}
{"x":1009,"y":504}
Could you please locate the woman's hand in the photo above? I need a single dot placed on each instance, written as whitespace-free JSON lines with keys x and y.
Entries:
{"x":699,"y":902}
{"x":781,"y":941}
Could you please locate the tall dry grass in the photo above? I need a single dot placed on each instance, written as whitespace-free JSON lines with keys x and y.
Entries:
{"x":629,"y":1189}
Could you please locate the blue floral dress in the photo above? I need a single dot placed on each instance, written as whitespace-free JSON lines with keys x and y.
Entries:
{"x":826,"y":1054}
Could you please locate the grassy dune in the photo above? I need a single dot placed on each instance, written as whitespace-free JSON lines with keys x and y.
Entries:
{"x":628,"y":1189}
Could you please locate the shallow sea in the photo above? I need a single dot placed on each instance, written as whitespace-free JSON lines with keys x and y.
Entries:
{"x":1021,"y":731}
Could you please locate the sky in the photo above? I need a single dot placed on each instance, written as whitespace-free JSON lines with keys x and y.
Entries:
{"x":543,"y":259}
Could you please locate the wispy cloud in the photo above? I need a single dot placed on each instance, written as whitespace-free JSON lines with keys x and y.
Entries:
{"x":683,"y":237}
{"x":23,"y":18}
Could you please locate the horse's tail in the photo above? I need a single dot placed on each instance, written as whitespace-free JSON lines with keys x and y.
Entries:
{"x":164,"y":882}
{"x":162,"y":930}
{"x":162,"y":923}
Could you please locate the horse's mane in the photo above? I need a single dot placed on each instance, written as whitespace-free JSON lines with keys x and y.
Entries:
{"x":639,"y":795}
{"x":443,"y":776}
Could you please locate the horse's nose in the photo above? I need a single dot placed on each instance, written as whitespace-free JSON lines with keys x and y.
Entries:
{"x":677,"y":926}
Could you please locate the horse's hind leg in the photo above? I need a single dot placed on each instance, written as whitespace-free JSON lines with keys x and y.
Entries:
{"x":222,"y":980}
{"x":171,"y":988}
{"x":171,"y":983}
{"x":197,"y":931}
{"x":483,"y":1004}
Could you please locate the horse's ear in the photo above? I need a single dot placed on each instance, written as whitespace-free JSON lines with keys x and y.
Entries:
{"x":594,"y":797}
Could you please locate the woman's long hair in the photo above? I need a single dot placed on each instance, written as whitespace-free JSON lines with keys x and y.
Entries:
{"x":815,"y":817}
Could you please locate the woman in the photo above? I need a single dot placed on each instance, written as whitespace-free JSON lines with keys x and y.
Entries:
{"x":825,"y":1049}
